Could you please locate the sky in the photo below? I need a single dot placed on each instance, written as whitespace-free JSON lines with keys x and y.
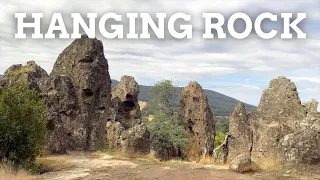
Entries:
{"x":238,"y":68}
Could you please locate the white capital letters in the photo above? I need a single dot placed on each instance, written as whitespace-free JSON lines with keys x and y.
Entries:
{"x":217,"y":26}
{"x":35,"y":25}
{"x":57,"y":17}
{"x":147,"y":21}
{"x":286,"y":25}
{"x":78,"y":21}
{"x":187,"y":28}
{"x":118,"y":29}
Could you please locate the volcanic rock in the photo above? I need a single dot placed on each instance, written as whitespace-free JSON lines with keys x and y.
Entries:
{"x":311,"y":106}
{"x":79,"y":93}
{"x":279,"y":113}
{"x":302,"y":146}
{"x":196,"y":116}
{"x":240,"y":129}
{"x":241,"y":163}
{"x":31,"y":74}
{"x":125,"y":130}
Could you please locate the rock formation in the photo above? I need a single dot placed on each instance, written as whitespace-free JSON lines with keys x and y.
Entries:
{"x":311,"y":106}
{"x":78,"y":93}
{"x":241,"y":163}
{"x":31,"y":74}
{"x":198,"y":120}
{"x":303,"y":145}
{"x":240,"y":129}
{"x":125,"y":131}
{"x":279,"y":113}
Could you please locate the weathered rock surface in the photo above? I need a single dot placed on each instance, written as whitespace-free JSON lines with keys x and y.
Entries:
{"x":311,"y":106}
{"x":196,"y":115}
{"x":79,"y":93}
{"x":31,"y":74}
{"x":241,"y":163}
{"x":279,"y":113}
{"x":240,"y":129}
{"x":302,"y":146}
{"x":125,"y":130}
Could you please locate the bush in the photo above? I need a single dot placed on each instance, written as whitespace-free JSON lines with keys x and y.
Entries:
{"x":23,"y":118}
{"x":167,"y":132}
{"x":168,"y":136}
{"x":219,"y":139}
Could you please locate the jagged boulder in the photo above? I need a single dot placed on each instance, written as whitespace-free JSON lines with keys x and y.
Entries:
{"x":311,"y":106}
{"x":79,"y":93}
{"x":125,"y":130}
{"x":240,"y":129}
{"x":241,"y":163}
{"x":279,"y":113}
{"x":198,"y":120}
{"x":302,"y":146}
{"x":31,"y":74}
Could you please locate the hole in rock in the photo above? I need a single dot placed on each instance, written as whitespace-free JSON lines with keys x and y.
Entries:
{"x":87,"y":92}
{"x":86,"y":60}
{"x":50,"y":125}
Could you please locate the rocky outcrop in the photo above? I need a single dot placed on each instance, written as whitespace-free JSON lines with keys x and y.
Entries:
{"x":279,"y":113}
{"x":31,"y":74}
{"x":241,"y":163}
{"x":125,"y":130}
{"x":79,"y":93}
{"x":240,"y":129}
{"x":302,"y":146}
{"x":198,"y":120}
{"x":311,"y":106}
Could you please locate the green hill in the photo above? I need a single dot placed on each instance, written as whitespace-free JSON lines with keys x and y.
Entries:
{"x":221,"y":105}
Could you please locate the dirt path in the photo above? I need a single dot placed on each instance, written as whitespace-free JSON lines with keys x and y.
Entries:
{"x":100,"y":167}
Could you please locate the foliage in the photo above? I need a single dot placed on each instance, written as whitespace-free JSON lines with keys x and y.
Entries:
{"x":222,"y":124}
{"x":219,"y":139}
{"x":166,"y":131}
{"x":23,"y":118}
{"x":164,"y":97}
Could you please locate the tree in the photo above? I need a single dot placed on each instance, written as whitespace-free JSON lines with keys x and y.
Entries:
{"x":23,"y":118}
{"x":168,"y":136}
{"x":164,"y":97}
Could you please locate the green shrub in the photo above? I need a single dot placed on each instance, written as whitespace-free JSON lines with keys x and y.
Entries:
{"x":219,"y":139}
{"x":23,"y":118}
{"x":168,"y":136}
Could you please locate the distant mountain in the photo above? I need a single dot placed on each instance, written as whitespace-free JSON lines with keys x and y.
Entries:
{"x":221,"y":105}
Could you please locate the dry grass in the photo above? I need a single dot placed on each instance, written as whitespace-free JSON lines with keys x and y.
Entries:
{"x":7,"y":173}
{"x":53,"y":163}
{"x":207,"y":160}
{"x":142,"y":104}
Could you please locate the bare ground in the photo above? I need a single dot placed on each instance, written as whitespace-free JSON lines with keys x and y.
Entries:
{"x":79,"y":166}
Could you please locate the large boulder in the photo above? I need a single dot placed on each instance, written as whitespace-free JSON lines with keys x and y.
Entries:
{"x":311,"y":106}
{"x":302,"y":146}
{"x":279,"y":113}
{"x":125,"y":130}
{"x":196,"y":116}
{"x":240,"y":129}
{"x":241,"y":163}
{"x":79,"y":93}
{"x":31,"y":74}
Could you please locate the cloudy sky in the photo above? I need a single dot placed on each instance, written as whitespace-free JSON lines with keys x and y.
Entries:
{"x":238,"y":68}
